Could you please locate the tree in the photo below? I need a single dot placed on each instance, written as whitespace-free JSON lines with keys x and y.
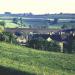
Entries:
{"x":64,"y":26}
{"x":21,"y":22}
{"x":15,"y":20}
{"x":73,"y":46}
{"x":69,"y":46}
{"x":2,"y":23}
{"x":43,"y":44}
{"x":55,"y":20}
{"x":30,"y":26}
{"x":8,"y":37}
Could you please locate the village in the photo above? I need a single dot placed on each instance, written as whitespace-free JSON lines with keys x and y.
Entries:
{"x":24,"y":35}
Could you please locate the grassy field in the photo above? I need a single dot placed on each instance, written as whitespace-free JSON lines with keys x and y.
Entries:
{"x":10,"y":24}
{"x":54,"y":27}
{"x":35,"y":61}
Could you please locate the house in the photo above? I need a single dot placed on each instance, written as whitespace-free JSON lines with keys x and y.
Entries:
{"x":21,"y":40}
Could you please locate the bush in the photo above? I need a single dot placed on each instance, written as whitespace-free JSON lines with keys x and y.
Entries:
{"x":44,"y":45}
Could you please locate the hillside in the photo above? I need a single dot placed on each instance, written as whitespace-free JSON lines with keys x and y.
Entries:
{"x":14,"y":58}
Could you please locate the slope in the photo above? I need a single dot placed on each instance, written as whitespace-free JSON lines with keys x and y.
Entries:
{"x":35,"y":61}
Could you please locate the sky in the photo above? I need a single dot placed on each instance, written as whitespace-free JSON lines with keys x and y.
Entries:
{"x":37,"y":6}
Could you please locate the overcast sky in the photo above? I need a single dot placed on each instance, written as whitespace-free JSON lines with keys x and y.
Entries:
{"x":37,"y":6}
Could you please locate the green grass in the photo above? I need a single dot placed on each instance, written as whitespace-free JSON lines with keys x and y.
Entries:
{"x":35,"y":61}
{"x":11,"y":25}
{"x":54,"y":27}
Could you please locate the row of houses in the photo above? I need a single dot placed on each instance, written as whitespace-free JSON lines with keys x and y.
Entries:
{"x":25,"y":34}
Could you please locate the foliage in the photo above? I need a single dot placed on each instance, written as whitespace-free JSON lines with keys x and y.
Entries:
{"x":9,"y":37}
{"x":2,"y":23}
{"x":15,"y":20}
{"x":43,"y":45}
{"x":1,"y":29}
{"x":64,"y":26}
{"x":55,"y":21}
{"x":73,"y":45}
{"x":69,"y":46}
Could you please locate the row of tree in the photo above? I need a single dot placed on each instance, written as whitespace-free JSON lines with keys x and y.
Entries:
{"x":18,"y":21}
{"x":68,"y":47}
{"x":5,"y":36}
{"x":44,"y":45}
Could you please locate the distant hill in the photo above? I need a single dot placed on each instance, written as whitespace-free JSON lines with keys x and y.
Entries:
{"x":43,"y":20}
{"x":45,"y":16}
